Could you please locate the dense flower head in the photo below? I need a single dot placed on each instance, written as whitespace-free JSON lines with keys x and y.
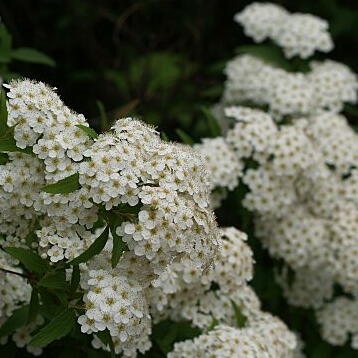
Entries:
{"x":265,"y":337}
{"x":298,"y":34}
{"x":220,"y":161}
{"x":327,"y":86}
{"x":338,"y":320}
{"x":186,"y":293}
{"x":303,"y":191}
{"x":262,"y":20}
{"x":156,"y":194}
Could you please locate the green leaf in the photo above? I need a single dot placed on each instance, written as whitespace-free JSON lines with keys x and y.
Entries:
{"x":54,"y":280}
{"x":184,"y":137}
{"x":3,"y":113}
{"x":59,"y":327}
{"x":240,"y":318}
{"x":31,"y":261}
{"x":34,"y":305}
{"x":89,"y":131}
{"x":269,"y":54}
{"x":214,"y":126}
{"x":64,"y":186}
{"x":118,"y":248}
{"x":31,"y":55}
{"x":51,"y":303}
{"x":15,"y":321}
{"x":75,"y":279}
{"x":96,"y":247}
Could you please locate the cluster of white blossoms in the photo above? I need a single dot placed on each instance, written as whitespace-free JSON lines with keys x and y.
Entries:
{"x":216,"y":299}
{"x":303,"y":189}
{"x":339,"y":320}
{"x":267,"y":337}
{"x":327,"y":86}
{"x":223,"y":165}
{"x":300,"y":159}
{"x":154,"y":195}
{"x":115,"y":300}
{"x":298,"y":34}
{"x":151,"y":195}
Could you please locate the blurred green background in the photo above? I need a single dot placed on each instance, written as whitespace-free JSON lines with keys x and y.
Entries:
{"x":163,"y":60}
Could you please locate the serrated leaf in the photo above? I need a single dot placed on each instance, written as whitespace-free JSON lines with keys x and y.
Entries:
{"x":214,"y":127}
{"x":89,"y":131}
{"x":54,"y":280}
{"x":59,"y":327}
{"x":184,"y":137}
{"x":240,"y":318}
{"x":26,"y":54}
{"x":15,"y":321}
{"x":96,"y":247}
{"x":119,"y":246}
{"x":34,"y":306}
{"x":64,"y":186}
{"x":3,"y":113}
{"x":31,"y":261}
{"x":75,"y":279}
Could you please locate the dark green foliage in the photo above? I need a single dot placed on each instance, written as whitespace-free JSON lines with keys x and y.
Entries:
{"x":63,"y":186}
{"x":57,"y":328}
{"x":31,"y":261}
{"x":96,"y":247}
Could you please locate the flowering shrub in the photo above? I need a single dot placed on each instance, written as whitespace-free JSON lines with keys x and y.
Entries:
{"x":298,"y":159}
{"x":114,"y":232}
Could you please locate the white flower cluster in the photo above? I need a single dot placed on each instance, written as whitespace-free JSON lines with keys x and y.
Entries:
{"x":298,"y":34}
{"x":339,"y":320}
{"x":266,"y":337}
{"x":300,"y":167}
{"x":327,"y":86}
{"x":157,"y":194}
{"x":211,"y":298}
{"x":304,"y":192}
{"x":116,"y":299}
{"x":223,"y":166}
